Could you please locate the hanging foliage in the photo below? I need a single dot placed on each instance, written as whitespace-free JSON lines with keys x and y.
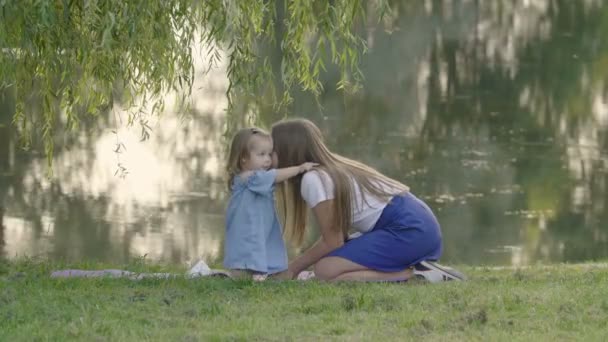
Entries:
{"x":69,"y":57}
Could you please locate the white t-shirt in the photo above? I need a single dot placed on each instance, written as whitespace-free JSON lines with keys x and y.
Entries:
{"x":317,"y":186}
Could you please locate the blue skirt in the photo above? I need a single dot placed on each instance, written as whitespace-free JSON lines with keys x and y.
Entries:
{"x":406,"y":233}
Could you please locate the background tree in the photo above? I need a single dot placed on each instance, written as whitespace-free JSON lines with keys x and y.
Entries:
{"x":77,"y":58}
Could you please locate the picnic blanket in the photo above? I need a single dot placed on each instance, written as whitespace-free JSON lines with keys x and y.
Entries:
{"x":200,"y":269}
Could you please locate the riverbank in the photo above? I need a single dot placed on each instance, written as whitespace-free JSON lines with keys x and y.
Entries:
{"x":561,"y":302}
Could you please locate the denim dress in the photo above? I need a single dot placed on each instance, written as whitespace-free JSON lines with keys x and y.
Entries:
{"x":253,"y":239}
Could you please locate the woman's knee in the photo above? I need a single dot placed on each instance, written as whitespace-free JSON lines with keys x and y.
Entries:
{"x":330,"y":267}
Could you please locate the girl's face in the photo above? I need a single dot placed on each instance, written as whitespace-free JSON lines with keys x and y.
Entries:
{"x":260,"y":154}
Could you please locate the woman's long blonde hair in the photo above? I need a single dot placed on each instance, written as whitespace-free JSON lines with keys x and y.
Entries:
{"x":239,"y":150}
{"x":298,"y":141}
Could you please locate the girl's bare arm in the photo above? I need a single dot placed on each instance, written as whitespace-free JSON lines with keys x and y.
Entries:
{"x":284,"y":173}
{"x":288,"y":172}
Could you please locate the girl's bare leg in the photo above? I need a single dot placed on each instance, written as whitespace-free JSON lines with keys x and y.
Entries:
{"x":247,"y":274}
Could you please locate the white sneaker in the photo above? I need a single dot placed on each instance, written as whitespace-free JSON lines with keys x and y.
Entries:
{"x":430,"y":275}
{"x":259,"y":277}
{"x":199,"y":269}
{"x":434,"y":272}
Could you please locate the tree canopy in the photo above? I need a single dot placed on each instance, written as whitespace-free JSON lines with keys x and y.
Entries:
{"x":65,"y":59}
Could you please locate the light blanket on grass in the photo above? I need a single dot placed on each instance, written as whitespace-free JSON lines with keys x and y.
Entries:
{"x":199,"y":270}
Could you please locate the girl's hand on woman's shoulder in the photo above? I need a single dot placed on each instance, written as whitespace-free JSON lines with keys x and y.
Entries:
{"x":307,"y":167}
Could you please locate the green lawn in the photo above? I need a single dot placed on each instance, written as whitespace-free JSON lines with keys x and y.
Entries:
{"x":562,"y":302}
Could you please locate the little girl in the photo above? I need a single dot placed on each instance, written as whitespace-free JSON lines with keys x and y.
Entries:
{"x":254,"y":244}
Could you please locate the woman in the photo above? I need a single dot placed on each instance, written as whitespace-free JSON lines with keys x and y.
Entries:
{"x":398,"y":231}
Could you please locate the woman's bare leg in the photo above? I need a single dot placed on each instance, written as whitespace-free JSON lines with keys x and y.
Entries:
{"x":337,"y":268}
{"x":371,"y":275}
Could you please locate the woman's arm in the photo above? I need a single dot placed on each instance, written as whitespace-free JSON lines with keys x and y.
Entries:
{"x":331,"y":238}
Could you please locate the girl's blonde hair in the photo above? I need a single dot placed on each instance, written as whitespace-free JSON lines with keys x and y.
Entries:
{"x":298,"y":141}
{"x":239,"y":150}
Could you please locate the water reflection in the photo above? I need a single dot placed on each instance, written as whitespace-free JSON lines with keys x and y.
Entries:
{"x":167,"y":206}
{"x":495,"y":112}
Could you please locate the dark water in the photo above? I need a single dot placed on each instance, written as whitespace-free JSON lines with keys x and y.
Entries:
{"x":494,"y":112}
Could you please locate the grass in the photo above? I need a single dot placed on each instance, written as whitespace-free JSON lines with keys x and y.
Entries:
{"x":562,"y":302}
